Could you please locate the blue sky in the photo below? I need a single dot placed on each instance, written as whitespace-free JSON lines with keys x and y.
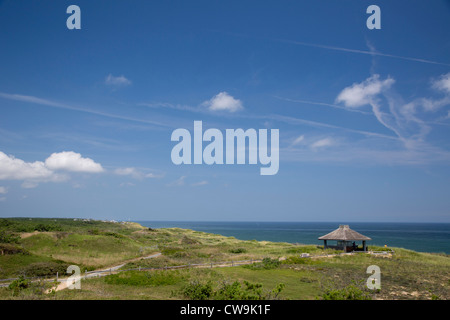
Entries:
{"x":86,"y":115}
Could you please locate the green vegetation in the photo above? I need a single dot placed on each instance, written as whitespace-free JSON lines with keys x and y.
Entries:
{"x":6,"y":237}
{"x":265,"y":264}
{"x":136,"y":278}
{"x":18,"y":285}
{"x":350,"y":292}
{"x":196,"y":290}
{"x":43,"y":247}
{"x":26,"y":289}
{"x":238,"y":250}
{"x":44,"y":269}
{"x":31,"y":245}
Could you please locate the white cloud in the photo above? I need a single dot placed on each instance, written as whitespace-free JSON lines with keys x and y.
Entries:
{"x":223,"y":102}
{"x":433,"y":105}
{"x":179,"y":182}
{"x":3,"y":190}
{"x":127,"y":184}
{"x":298,"y":140}
{"x":443,"y":83}
{"x":322,"y":143}
{"x":119,"y":81}
{"x":71,"y":161}
{"x":201,"y":183}
{"x":12,"y":168}
{"x":29,"y":184}
{"x":363,"y":93}
{"x":32,"y":173}
{"x":136,"y":174}
{"x":128,"y":172}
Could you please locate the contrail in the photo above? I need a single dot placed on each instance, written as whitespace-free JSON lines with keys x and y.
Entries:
{"x":48,"y":103}
{"x":293,"y":120}
{"x":323,"y":104}
{"x":372,"y":53}
{"x":322,"y":46}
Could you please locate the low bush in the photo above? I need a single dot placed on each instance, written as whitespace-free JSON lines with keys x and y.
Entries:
{"x":236,"y":290}
{"x":167,"y":251}
{"x":142,"y":278}
{"x":6,"y":248}
{"x":7,"y":237}
{"x":265,"y":264}
{"x":113,"y":234}
{"x":30,"y":290}
{"x":350,"y":292}
{"x":238,"y":250}
{"x":18,"y":285}
{"x":196,"y":290}
{"x":43,"y":269}
{"x":94,"y":232}
{"x":189,"y":241}
{"x":5,"y":223}
{"x":47,"y":227}
{"x":299,"y":260}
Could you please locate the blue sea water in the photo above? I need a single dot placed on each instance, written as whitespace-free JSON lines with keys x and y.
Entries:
{"x":424,"y":237}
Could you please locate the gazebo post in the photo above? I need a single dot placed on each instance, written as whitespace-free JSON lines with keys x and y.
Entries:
{"x":364,"y":245}
{"x":324,"y":244}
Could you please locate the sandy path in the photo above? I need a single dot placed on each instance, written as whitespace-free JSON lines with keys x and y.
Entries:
{"x":100,"y":273}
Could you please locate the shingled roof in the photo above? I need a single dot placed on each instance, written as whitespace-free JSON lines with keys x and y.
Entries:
{"x":344,"y":233}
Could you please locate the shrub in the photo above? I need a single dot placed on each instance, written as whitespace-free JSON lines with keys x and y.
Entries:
{"x":5,"y":223}
{"x":167,"y":251}
{"x":235,"y":291}
{"x":42,"y":269}
{"x":6,"y":237}
{"x":94,"y":232}
{"x":30,"y":290}
{"x":47,"y":227}
{"x":238,"y":250}
{"x":18,"y":285}
{"x":299,"y":260}
{"x":265,"y":264}
{"x":113,"y":234}
{"x":187,"y":240}
{"x":6,"y":248}
{"x":140,"y":278}
{"x":196,"y":290}
{"x":62,"y":235}
{"x":350,"y":292}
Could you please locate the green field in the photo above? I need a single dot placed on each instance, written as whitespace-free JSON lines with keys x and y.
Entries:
{"x":42,"y":247}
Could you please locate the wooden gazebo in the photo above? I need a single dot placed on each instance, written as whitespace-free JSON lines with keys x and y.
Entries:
{"x":345,"y":238}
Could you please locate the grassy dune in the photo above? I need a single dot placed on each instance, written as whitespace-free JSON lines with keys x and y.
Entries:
{"x":44,"y":246}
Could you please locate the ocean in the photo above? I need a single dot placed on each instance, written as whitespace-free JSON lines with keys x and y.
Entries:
{"x":423,"y":237}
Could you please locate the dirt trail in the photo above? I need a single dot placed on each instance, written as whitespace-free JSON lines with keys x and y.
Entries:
{"x":100,"y":273}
